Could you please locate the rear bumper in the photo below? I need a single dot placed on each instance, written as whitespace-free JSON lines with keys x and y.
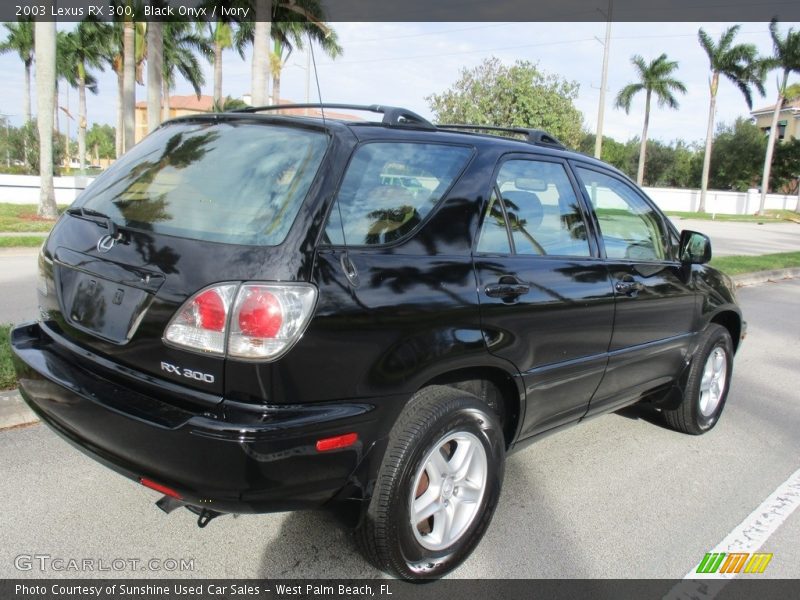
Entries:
{"x":230,"y":459}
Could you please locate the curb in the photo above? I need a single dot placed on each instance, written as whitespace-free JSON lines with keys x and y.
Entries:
{"x":19,"y":251}
{"x":14,"y":412}
{"x":764,"y":276}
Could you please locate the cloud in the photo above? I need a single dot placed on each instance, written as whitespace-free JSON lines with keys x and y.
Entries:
{"x":402,"y":63}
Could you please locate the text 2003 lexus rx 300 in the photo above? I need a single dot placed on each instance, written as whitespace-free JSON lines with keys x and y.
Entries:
{"x":253,"y":312}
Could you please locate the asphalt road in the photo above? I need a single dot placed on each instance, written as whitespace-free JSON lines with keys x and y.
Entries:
{"x":619,"y":496}
{"x":732,"y":237}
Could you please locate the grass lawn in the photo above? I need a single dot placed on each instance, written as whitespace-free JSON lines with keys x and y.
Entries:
{"x":771,"y":216}
{"x":736,"y":265}
{"x":22,"y":218}
{"x":22,"y":241}
{"x":8,"y":379}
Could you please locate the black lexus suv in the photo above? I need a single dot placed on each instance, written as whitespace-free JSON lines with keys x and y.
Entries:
{"x":256,"y":312}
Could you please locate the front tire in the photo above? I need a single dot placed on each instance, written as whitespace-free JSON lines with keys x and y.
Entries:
{"x":438,"y":485}
{"x":707,"y":385}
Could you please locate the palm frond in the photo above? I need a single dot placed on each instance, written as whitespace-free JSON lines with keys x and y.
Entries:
{"x":626,"y":94}
{"x":708,"y":45}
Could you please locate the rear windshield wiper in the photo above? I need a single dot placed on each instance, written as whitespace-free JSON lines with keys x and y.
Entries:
{"x":96,"y":216}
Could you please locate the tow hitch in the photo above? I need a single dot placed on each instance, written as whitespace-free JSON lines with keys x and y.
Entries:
{"x":204,"y":515}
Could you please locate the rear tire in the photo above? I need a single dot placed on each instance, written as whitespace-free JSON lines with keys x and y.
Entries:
{"x":707,"y":385}
{"x":438,"y":485}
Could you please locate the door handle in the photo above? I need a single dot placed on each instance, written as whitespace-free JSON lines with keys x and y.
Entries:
{"x":629,"y":288}
{"x":507,"y":290}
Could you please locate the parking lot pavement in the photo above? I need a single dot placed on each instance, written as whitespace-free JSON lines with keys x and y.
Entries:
{"x":18,"y":285}
{"x":619,"y":496}
{"x":732,"y":237}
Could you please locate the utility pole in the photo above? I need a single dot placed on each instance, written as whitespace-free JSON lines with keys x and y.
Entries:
{"x":598,"y":142}
{"x":66,"y":144}
{"x":308,"y":73}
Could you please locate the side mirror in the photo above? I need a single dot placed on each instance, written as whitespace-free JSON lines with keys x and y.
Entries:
{"x":695,"y":248}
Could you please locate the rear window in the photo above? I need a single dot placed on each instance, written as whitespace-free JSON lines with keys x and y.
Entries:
{"x":239,"y":183}
{"x":389,"y":188}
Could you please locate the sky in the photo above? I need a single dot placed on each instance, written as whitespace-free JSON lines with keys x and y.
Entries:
{"x":402,"y":63}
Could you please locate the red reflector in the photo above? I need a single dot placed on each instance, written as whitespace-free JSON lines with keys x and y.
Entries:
{"x":260,"y":315}
{"x":159,"y":488}
{"x":339,"y":441}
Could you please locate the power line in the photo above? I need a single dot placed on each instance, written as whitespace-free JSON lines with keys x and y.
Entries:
{"x":342,"y":61}
{"x":426,"y":33}
{"x":439,"y":54}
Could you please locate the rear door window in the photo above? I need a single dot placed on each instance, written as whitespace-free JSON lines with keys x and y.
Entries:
{"x":389,"y":189}
{"x":540,"y":209}
{"x":226,"y":181}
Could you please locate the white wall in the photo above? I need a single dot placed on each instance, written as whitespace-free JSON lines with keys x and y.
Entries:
{"x":24,"y":189}
{"x":730,"y":203}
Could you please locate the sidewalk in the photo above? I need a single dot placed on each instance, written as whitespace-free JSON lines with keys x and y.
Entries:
{"x":14,"y":411}
{"x":23,"y":233}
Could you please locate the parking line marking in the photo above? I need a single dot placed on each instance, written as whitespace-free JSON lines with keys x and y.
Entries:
{"x":748,"y":537}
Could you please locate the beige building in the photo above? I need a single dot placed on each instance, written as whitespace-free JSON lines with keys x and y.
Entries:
{"x":788,"y":121}
{"x":181,"y":106}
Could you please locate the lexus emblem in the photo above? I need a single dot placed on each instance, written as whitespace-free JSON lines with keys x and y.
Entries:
{"x":106,"y":243}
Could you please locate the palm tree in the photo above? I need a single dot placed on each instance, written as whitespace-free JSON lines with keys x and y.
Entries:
{"x":740,"y":64}
{"x":181,"y":43}
{"x":128,"y":84}
{"x":654,"y":78}
{"x":82,"y":49}
{"x":288,"y":35}
{"x":293,"y":25}
{"x":155,"y":73}
{"x":221,"y":34}
{"x":20,"y":40}
{"x":786,"y":57}
{"x":260,"y":62}
{"x":116,"y":59}
{"x":45,"y":44}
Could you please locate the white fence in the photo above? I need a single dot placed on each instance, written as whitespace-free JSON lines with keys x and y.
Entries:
{"x":24,"y":189}
{"x":728,"y":203}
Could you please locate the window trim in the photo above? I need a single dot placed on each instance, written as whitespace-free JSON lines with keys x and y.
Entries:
{"x":496,"y":191}
{"x":321,"y":243}
{"x":591,"y":231}
{"x":666,"y":225}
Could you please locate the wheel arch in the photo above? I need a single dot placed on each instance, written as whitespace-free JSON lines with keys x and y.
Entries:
{"x":732,"y":321}
{"x":492,"y":385}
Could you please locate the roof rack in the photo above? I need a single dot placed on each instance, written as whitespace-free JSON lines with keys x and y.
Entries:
{"x":532,"y":136}
{"x":392,"y":115}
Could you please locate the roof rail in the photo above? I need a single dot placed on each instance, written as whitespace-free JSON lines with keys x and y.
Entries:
{"x":392,"y":115}
{"x":532,"y":136}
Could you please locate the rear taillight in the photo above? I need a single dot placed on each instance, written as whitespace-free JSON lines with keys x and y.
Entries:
{"x":200,"y":323}
{"x":268,"y":319}
{"x":259,"y":321}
